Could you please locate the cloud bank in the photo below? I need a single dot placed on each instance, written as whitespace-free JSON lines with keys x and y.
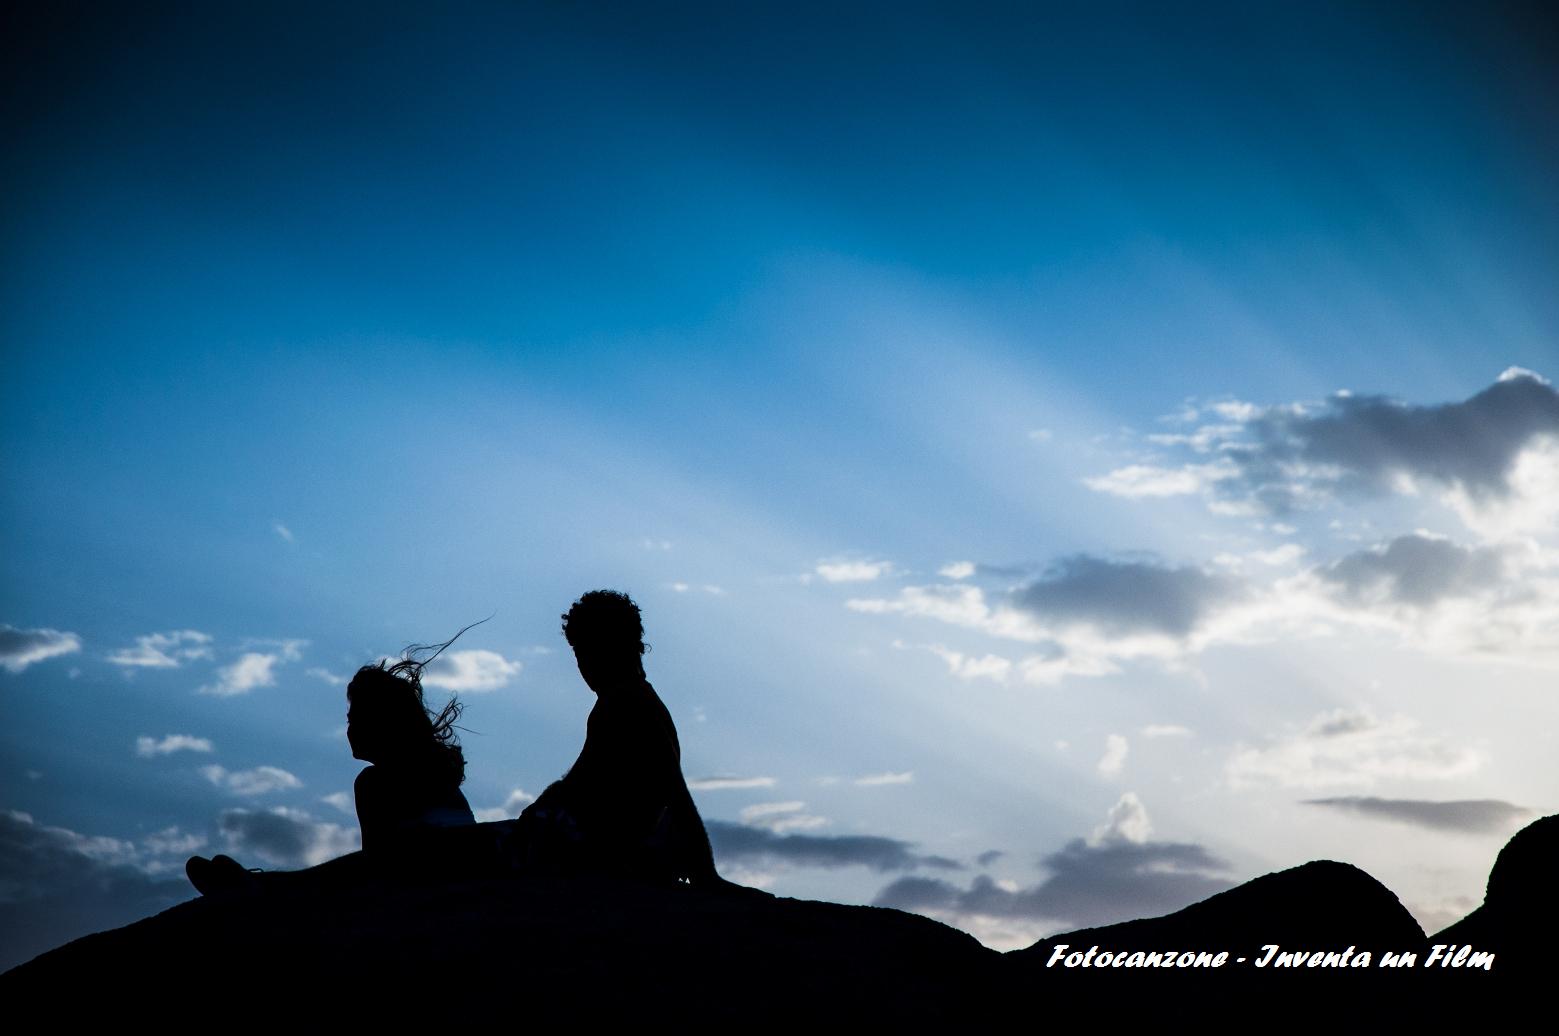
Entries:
{"x":1467,"y":816}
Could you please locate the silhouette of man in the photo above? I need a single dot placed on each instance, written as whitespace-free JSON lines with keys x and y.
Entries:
{"x":624,"y":807}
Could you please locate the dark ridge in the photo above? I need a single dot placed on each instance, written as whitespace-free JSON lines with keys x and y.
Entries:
{"x":525,"y":949}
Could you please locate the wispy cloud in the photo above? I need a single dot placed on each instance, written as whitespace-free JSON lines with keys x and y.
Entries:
{"x":877,"y":780}
{"x":743,"y":844}
{"x":723,"y":782}
{"x":848,"y":571}
{"x":164,"y":650}
{"x":21,"y":648}
{"x":254,"y":668}
{"x":258,"y":781}
{"x":148,"y":747}
{"x":1351,"y":747}
{"x":780,"y":817}
{"x":1466,"y":816}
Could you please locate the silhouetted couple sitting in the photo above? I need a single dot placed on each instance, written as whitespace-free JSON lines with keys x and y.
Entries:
{"x":623,"y":809}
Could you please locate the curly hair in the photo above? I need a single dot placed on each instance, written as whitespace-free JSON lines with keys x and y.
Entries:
{"x":605,"y":622}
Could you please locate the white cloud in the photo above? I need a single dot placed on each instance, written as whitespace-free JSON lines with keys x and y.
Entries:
{"x":779,"y":817}
{"x":967,"y":667}
{"x":1514,"y":373}
{"x":1114,"y":758}
{"x":282,"y":531}
{"x":164,"y":650}
{"x":21,"y":648}
{"x":340,"y":800}
{"x":957,"y":570}
{"x":1127,"y":822}
{"x":1530,"y":507}
{"x":708,"y":588}
{"x":956,"y":605}
{"x":518,"y":799}
{"x":852,"y":571}
{"x":259,"y":781}
{"x":1351,"y":747}
{"x":147,"y":747}
{"x":253,"y":669}
{"x":720,"y":783}
{"x":470,"y":671}
{"x":1166,"y":730}
{"x":327,"y":676}
{"x":1137,"y":481}
{"x":876,"y":780}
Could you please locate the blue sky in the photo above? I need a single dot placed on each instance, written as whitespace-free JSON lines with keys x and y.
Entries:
{"x":956,"y":389}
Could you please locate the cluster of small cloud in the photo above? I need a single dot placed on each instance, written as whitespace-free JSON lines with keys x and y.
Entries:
{"x":1087,"y":616}
{"x":56,"y":884}
{"x":1494,"y":457}
{"x":1350,"y":746}
{"x":1084,"y":615}
{"x":284,"y":837}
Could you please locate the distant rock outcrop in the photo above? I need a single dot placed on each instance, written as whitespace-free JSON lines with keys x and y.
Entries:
{"x":1321,"y":905}
{"x":1519,"y":917}
{"x":526,"y":949}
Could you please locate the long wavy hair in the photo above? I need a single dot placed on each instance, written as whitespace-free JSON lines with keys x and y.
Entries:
{"x":411,"y":731}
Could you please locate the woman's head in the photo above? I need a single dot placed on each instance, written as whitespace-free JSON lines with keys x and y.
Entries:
{"x":388,"y":721}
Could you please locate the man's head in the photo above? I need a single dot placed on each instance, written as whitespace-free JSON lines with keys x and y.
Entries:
{"x":607,"y":635}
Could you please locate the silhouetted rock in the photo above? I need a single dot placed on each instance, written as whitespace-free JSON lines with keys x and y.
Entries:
{"x":1519,"y":917}
{"x":1321,"y":905}
{"x":520,"y":950}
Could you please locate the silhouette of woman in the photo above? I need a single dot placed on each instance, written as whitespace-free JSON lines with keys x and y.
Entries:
{"x":415,"y":763}
{"x":410,"y":789}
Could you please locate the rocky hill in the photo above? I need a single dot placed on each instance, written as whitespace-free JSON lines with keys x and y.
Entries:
{"x":526,"y":949}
